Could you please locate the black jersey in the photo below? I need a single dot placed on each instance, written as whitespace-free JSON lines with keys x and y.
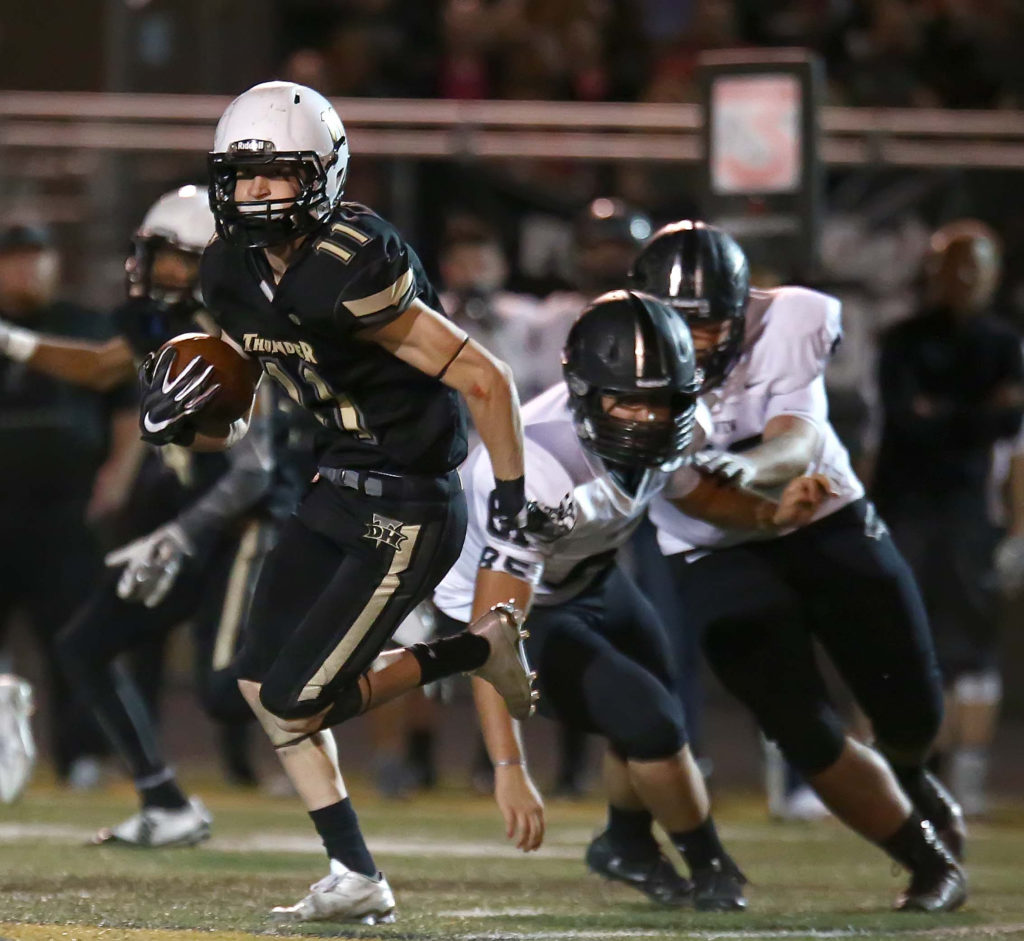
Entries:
{"x":355,"y":272}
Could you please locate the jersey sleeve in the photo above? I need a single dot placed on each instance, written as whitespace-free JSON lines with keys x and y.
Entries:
{"x":547,"y":483}
{"x":805,"y":331}
{"x":382,"y":282}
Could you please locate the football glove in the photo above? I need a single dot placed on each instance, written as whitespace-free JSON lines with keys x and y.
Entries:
{"x":506,"y":508}
{"x":151,"y":564}
{"x":168,"y":403}
{"x":729,"y":468}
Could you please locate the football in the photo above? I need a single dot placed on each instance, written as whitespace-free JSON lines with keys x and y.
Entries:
{"x":236,"y":373}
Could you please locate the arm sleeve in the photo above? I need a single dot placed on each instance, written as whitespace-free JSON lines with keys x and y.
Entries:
{"x":247,"y":480}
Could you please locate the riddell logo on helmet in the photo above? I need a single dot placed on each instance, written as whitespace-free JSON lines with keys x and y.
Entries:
{"x":251,"y":146}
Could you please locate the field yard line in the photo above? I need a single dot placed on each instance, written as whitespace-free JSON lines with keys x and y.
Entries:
{"x":766,"y":934}
{"x":297,"y":843}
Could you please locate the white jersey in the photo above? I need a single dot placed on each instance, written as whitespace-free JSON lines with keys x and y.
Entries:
{"x":790,"y":335}
{"x":597,"y":516}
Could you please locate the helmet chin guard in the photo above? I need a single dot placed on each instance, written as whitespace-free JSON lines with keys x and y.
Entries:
{"x":280,"y":125}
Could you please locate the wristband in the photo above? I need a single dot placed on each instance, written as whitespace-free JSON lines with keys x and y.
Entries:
{"x":17,"y":343}
{"x":510,"y":495}
{"x":509,"y":763}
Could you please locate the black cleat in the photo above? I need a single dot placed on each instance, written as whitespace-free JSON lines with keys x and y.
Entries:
{"x":953,"y":830}
{"x":719,"y":887}
{"x":942,"y":889}
{"x":655,"y":876}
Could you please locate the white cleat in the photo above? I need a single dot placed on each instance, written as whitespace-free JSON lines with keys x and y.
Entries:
{"x":343,"y":895}
{"x":803,"y":805}
{"x":506,"y":668}
{"x":17,"y":746}
{"x":153,"y":827}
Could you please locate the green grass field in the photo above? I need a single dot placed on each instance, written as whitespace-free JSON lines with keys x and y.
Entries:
{"x":455,"y":878}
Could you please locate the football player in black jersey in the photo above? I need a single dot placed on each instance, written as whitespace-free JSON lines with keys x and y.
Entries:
{"x":196,"y":527}
{"x":336,"y":307}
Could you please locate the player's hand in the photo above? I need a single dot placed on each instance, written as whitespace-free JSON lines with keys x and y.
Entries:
{"x":506,"y":508}
{"x":801,"y":500}
{"x":733,"y":469}
{"x":1008,"y":560}
{"x":151,"y":564}
{"x":167,"y":403}
{"x":520,"y":805}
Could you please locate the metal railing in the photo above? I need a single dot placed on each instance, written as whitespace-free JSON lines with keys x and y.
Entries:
{"x":490,"y":130}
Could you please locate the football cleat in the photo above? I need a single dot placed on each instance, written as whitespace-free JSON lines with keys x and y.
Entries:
{"x":506,"y":668}
{"x":719,"y":887}
{"x":655,"y":876}
{"x":17,"y":746}
{"x":942,"y":889}
{"x":953,"y":830}
{"x":343,"y":895}
{"x":153,"y":827}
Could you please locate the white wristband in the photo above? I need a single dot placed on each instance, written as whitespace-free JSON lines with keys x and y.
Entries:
{"x":17,"y":343}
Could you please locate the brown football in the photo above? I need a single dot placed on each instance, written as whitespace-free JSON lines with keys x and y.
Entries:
{"x":236,"y":373}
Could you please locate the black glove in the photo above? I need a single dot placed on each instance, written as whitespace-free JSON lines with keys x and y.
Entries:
{"x":168,"y":404}
{"x":506,"y":509}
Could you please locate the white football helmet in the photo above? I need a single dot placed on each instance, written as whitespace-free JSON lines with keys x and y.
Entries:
{"x":17,"y":746}
{"x":182,"y":220}
{"x":277,"y":123}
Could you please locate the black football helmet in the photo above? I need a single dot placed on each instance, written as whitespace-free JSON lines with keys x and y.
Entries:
{"x":630,"y":346}
{"x":702,"y":272}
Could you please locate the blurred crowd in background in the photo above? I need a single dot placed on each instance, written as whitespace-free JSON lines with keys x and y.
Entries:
{"x":885,"y":53}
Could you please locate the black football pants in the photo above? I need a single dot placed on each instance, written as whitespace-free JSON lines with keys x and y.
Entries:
{"x":348,"y":569}
{"x":840,"y":581}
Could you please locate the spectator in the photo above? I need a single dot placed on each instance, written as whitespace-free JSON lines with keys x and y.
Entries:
{"x":952,"y":386}
{"x":66,"y":456}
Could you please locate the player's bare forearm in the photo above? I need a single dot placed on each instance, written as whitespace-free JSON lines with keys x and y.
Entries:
{"x":425,"y":339}
{"x":98,"y":366}
{"x":721,"y":505}
{"x":789,"y":446}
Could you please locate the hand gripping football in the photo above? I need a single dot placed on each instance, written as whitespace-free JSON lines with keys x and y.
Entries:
{"x":234,"y":372}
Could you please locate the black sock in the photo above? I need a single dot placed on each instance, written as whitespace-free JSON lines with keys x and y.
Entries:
{"x":915,"y":846}
{"x":630,"y":832}
{"x":458,"y":654}
{"x":163,"y":793}
{"x":700,"y":847}
{"x":928,"y":796}
{"x":338,"y":827}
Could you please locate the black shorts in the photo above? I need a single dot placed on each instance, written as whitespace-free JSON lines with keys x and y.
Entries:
{"x":347,"y":570}
{"x":604,"y":665}
{"x":841,"y":581}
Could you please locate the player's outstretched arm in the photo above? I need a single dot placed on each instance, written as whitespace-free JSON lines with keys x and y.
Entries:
{"x":94,"y":365}
{"x":517,"y":797}
{"x":435,"y":346}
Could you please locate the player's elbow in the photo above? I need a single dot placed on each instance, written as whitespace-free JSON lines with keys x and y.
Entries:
{"x":493,"y":382}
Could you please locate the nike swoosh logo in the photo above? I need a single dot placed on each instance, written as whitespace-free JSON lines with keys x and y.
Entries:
{"x":153,"y":427}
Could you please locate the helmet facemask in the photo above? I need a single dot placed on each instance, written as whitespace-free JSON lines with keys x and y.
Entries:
{"x":262,"y":223}
{"x":716,"y":359}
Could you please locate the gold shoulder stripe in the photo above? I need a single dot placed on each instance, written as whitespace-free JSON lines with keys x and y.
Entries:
{"x":360,"y":238}
{"x":364,"y":306}
{"x":332,"y":248}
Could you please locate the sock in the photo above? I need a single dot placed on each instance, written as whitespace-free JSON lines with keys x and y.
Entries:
{"x":630,"y":832}
{"x":700,"y":847}
{"x":161,"y":790}
{"x":458,"y":654}
{"x":928,"y":796}
{"x":338,"y":827}
{"x":915,"y":846}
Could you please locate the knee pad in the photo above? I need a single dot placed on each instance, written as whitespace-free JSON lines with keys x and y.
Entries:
{"x":344,"y":704}
{"x":810,"y":743}
{"x":656,"y":733}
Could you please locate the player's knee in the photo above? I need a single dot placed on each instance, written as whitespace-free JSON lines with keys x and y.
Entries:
{"x":658,"y":732}
{"x":810,"y":742}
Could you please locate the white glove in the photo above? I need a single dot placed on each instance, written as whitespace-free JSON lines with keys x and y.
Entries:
{"x":1008,"y":560}
{"x":151,"y":564}
{"x":729,"y":468}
